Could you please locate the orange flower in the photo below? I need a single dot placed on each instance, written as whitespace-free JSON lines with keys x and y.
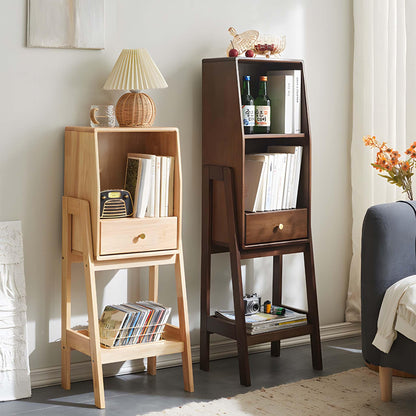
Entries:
{"x":405,"y":166}
{"x":370,"y":141}
{"x":388,"y":160}
{"x":411,"y":151}
{"x":381,"y":159}
{"x":394,"y":157}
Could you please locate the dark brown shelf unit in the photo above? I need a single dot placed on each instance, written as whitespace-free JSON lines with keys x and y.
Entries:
{"x":227,"y":227}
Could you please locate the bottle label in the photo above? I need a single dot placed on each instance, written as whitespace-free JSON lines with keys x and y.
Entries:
{"x":248,"y":115}
{"x":263,"y":115}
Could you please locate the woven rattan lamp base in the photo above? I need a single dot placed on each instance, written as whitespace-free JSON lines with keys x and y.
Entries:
{"x":135,"y":109}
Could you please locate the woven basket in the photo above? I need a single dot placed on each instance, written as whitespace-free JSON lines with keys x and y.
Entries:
{"x":135,"y":109}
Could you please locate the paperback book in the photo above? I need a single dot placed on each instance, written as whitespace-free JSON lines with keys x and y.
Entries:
{"x":285,"y":89}
{"x":150,"y":180}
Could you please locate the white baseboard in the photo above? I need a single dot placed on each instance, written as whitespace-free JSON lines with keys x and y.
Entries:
{"x":221,"y":349}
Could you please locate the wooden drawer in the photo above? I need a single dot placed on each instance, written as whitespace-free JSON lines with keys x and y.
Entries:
{"x":132,"y":235}
{"x":267,"y":227}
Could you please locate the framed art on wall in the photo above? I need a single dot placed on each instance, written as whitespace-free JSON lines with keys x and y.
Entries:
{"x":65,"y":24}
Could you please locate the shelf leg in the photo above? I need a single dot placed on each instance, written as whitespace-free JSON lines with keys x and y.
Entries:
{"x":93,"y":326}
{"x":184,"y":322}
{"x":277,"y":296}
{"x":313,"y":316}
{"x":235,"y":260}
{"x":153,"y":295}
{"x":205,"y":267}
{"x":66,"y":295}
{"x":240,"y":323}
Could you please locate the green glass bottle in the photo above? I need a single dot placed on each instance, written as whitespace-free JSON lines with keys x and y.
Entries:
{"x":247,"y":106}
{"x":263,"y":108}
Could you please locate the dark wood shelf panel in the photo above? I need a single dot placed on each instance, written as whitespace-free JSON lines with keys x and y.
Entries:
{"x":274,"y":136}
{"x":294,"y":331}
{"x":221,"y":327}
{"x":278,"y":248}
{"x":228,"y":329}
{"x":273,"y":249}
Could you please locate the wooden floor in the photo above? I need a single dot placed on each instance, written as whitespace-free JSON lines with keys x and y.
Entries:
{"x":140,"y":393}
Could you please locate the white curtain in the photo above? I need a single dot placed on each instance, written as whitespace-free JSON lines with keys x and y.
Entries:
{"x":379,"y":108}
{"x":14,"y":361}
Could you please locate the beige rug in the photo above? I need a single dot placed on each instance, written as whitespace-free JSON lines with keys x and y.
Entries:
{"x":353,"y":392}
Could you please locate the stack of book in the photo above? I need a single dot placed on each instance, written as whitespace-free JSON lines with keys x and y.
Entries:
{"x":272,"y":179}
{"x":284,"y":90}
{"x":265,"y":322}
{"x":132,"y":323}
{"x":149,"y":179}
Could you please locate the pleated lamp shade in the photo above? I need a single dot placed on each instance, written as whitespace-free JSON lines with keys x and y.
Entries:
{"x":135,"y":70}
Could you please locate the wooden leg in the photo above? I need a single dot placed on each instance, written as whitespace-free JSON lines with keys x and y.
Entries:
{"x":93,"y":327}
{"x":240,"y":319}
{"x":205,"y":309}
{"x":313,"y":316}
{"x":66,"y":295}
{"x":276,"y":296}
{"x":94,"y":335}
{"x":153,"y":294}
{"x":385,"y":376}
{"x":235,"y":260}
{"x":184,"y":322}
{"x":205,"y":268}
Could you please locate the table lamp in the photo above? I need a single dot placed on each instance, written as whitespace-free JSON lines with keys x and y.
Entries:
{"x":135,"y":70}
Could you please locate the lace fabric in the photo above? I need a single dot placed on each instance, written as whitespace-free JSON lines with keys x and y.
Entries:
{"x":14,"y":362}
{"x":11,"y":243}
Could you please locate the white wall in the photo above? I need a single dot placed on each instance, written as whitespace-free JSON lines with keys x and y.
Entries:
{"x":411,"y":79}
{"x":43,"y":90}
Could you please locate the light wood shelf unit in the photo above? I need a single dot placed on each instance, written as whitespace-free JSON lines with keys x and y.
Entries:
{"x":228,"y":227}
{"x":95,"y":160}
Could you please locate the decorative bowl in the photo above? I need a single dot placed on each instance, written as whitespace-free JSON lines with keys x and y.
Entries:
{"x":268,"y":45}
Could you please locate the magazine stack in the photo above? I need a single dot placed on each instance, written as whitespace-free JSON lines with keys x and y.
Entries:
{"x":260,"y":322}
{"x":132,"y":323}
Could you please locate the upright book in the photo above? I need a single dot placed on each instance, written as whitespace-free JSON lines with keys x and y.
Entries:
{"x":132,"y":179}
{"x":255,"y":193}
{"x":292,"y":174}
{"x":150,"y":209}
{"x":254,"y":169}
{"x":297,"y":94}
{"x":281,"y":97}
{"x":138,"y":183}
{"x":285,"y":91}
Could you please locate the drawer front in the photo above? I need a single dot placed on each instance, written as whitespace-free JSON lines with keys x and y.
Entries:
{"x":267,"y":227}
{"x":132,"y":235}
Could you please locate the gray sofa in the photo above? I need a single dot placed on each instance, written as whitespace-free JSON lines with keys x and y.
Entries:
{"x":388,"y":254}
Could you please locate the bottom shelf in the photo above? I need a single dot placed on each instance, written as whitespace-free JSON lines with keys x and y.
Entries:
{"x":170,"y":344}
{"x":228,"y":329}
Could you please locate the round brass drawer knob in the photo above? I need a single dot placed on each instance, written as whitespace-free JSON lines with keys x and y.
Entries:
{"x":140,"y":236}
{"x":277,"y":228}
